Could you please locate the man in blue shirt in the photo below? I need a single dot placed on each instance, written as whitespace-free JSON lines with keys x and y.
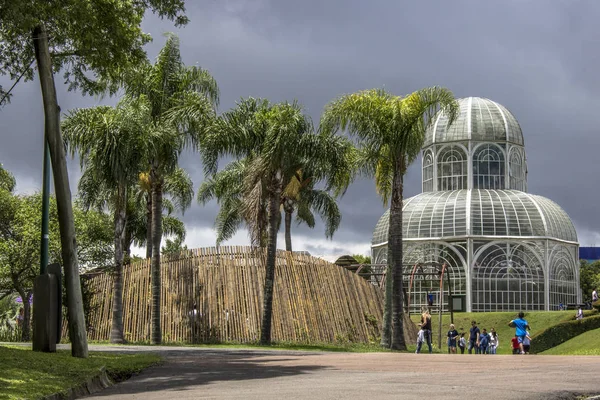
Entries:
{"x":474,"y":338}
{"x":521,"y":327}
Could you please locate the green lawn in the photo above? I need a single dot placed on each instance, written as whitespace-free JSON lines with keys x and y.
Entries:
{"x":538,"y":320}
{"x":586,"y":344}
{"x":25,"y":374}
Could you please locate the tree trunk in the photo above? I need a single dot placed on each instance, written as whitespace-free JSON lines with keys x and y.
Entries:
{"x":77,"y":332}
{"x":386,"y":330}
{"x":274,"y":217}
{"x":116,"y":332}
{"x":288,"y":229}
{"x":127,"y":245}
{"x":26,"y":324}
{"x":156,"y":334}
{"x":149,"y":225}
{"x":395,"y":256}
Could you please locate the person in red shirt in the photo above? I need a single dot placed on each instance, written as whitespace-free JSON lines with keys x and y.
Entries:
{"x":515,"y":345}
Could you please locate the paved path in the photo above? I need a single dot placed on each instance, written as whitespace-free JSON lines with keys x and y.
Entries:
{"x":193,"y":373}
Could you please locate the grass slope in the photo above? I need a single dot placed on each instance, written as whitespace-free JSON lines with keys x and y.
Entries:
{"x":25,"y":374}
{"x":586,"y":344}
{"x":538,"y":320}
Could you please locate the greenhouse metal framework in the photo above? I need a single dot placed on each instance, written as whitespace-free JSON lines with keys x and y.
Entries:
{"x":506,"y":249}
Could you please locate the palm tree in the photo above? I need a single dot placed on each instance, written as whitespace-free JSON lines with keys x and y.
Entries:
{"x":179,"y":189}
{"x":274,"y":141}
{"x":111,"y":144}
{"x":390,"y":131}
{"x":299,"y":196}
{"x":183,"y":101}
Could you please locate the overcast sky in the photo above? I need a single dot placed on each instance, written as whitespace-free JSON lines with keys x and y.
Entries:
{"x":540,"y":59}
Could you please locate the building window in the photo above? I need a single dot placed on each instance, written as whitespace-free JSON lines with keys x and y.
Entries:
{"x":516,"y":168}
{"x":428,"y":172}
{"x":488,"y":167}
{"x":452,"y":168}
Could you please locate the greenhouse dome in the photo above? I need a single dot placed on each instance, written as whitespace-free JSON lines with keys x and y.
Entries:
{"x":504,"y":249}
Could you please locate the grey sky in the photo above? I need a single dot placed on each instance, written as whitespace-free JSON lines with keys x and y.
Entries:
{"x":540,"y":59}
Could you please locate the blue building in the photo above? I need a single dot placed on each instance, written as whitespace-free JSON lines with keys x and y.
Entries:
{"x":590,"y":254}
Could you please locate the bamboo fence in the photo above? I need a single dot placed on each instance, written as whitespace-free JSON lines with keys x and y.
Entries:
{"x":314,"y":301}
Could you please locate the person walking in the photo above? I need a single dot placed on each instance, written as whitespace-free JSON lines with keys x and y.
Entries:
{"x":452,"y":336}
{"x":426,"y":327}
{"x":474,"y":338}
{"x":579,"y":314}
{"x":462,"y":343}
{"x":494,"y":342}
{"x":515,"y":345}
{"x":594,"y":295}
{"x":484,"y":341}
{"x":527,"y":343}
{"x":521,"y":326}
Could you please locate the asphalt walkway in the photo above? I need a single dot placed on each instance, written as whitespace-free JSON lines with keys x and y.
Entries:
{"x":200,"y":373}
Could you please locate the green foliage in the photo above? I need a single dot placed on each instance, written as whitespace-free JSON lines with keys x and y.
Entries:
{"x":26,"y":374}
{"x":173,"y":247}
{"x":589,"y":278}
{"x":20,"y":247}
{"x":362,"y":259}
{"x":276,"y":151}
{"x":92,"y":41}
{"x":7,"y":180}
{"x":9,"y":309}
{"x":560,"y":333}
{"x":586,"y":344}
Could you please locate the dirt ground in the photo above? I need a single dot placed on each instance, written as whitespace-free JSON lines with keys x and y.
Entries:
{"x":192,"y":373}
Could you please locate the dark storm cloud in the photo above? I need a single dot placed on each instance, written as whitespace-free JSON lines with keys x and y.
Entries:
{"x":537,"y":58}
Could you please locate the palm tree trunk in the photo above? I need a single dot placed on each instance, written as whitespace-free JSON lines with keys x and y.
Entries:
{"x":288,"y":230}
{"x":77,"y":331}
{"x":149,"y":226}
{"x":274,"y":217}
{"x":156,"y":334}
{"x":116,"y":332}
{"x":386,"y":329}
{"x":395,"y":259}
{"x":127,"y":245}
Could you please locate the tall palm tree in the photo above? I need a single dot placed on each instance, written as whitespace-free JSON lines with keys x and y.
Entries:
{"x":111,"y":144}
{"x":275,"y":141}
{"x":183,"y":101}
{"x":390,"y":131}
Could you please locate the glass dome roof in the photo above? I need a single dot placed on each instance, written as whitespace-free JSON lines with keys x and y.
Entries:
{"x":479,"y":212}
{"x":480,"y":119}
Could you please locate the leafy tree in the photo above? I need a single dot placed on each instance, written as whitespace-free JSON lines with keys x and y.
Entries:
{"x":275,"y":141}
{"x":182,"y":106}
{"x":111,"y":144}
{"x":20,"y":245}
{"x":173,"y":247}
{"x":390,"y":131}
{"x":589,"y":278}
{"x":87,"y":39}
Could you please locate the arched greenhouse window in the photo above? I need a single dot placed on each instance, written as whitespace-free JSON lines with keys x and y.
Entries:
{"x":488,"y":167}
{"x":428,"y":172}
{"x":516,"y":168}
{"x":452,"y":168}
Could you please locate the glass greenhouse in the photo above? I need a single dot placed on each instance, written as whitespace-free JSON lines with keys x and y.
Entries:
{"x":505,"y":249}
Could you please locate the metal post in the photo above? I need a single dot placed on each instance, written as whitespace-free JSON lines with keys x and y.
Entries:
{"x":45,"y":208}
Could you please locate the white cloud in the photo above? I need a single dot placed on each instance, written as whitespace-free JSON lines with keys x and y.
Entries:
{"x":329,"y":250}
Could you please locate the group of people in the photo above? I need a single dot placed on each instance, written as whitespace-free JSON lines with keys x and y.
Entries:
{"x":481,"y":341}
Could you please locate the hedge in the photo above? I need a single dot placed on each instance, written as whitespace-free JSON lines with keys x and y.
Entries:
{"x":560,"y":333}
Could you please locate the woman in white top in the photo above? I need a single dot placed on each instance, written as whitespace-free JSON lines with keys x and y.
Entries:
{"x":493,"y":342}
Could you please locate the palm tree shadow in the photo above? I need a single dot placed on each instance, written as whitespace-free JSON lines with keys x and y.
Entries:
{"x":187,"y":371}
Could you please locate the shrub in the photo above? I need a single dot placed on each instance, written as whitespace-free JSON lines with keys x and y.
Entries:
{"x":560,"y":333}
